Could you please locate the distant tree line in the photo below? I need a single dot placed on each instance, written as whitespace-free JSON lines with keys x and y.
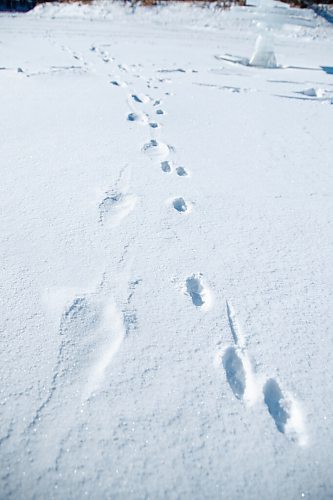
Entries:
{"x":24,"y":5}
{"x":18,"y":5}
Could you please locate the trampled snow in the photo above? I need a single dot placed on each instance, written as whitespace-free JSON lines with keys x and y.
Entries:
{"x":166,"y":201}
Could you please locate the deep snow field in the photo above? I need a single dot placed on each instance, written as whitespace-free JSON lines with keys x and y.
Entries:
{"x":166,"y":251}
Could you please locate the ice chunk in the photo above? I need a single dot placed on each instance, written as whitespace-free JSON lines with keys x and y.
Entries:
{"x":264,"y":56}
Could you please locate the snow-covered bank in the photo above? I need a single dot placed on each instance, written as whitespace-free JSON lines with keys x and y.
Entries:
{"x":166,"y":248}
{"x":176,"y":13}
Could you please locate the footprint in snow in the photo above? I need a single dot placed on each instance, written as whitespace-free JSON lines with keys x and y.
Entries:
{"x":160,"y":112}
{"x":166,"y":166}
{"x":180,"y":205}
{"x":93,"y":331}
{"x":124,"y":67}
{"x":140,"y":98}
{"x":199,"y":293}
{"x":276,"y":404}
{"x":246,"y":386}
{"x":237,"y":364}
{"x":137,"y":117}
{"x":285,"y":412}
{"x":156,"y":148}
{"x":234,"y":369}
{"x":181,"y":171}
{"x":117,"y":83}
{"x":115,"y":207}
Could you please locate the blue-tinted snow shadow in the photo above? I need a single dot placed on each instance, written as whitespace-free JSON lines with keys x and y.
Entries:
{"x":327,"y":69}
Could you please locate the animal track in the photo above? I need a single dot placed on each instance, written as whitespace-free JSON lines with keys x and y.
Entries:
{"x":166,"y":166}
{"x":237,"y":364}
{"x":276,"y":404}
{"x":116,"y":206}
{"x":102,"y":54}
{"x":245,"y":385}
{"x":155,"y":148}
{"x":160,"y":112}
{"x":117,"y":83}
{"x":140,"y":98}
{"x":234,"y":370}
{"x":285,"y":412}
{"x":180,"y":205}
{"x":137,"y":117}
{"x":181,"y":171}
{"x":124,"y":67}
{"x":154,"y":125}
{"x":199,"y":294}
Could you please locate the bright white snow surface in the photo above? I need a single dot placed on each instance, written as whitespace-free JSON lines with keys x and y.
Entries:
{"x":166,"y":202}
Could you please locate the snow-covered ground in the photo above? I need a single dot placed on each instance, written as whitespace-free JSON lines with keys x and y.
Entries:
{"x":166,"y":244}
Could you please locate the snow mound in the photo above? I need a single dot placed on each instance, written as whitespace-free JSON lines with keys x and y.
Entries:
{"x":312,"y":92}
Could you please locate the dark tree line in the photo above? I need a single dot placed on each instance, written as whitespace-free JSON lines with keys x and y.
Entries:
{"x":18,"y":5}
{"x":24,"y":5}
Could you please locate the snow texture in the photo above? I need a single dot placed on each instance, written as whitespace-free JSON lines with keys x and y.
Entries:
{"x":166,"y":243}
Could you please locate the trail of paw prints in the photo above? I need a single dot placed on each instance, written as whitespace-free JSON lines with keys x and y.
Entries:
{"x":168,"y":167}
{"x":108,"y":63}
{"x":137,"y":113}
{"x":143,"y":111}
{"x":141,"y":104}
{"x":142,"y":107}
{"x":75,"y":55}
{"x":102,"y":54}
{"x":157,"y":149}
{"x":247,"y":386}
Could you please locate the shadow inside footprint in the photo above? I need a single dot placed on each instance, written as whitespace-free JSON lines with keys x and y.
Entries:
{"x":274,"y":400}
{"x":180,"y":205}
{"x":234,"y":370}
{"x":195,"y":289}
{"x":166,"y":166}
{"x":181,"y":171}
